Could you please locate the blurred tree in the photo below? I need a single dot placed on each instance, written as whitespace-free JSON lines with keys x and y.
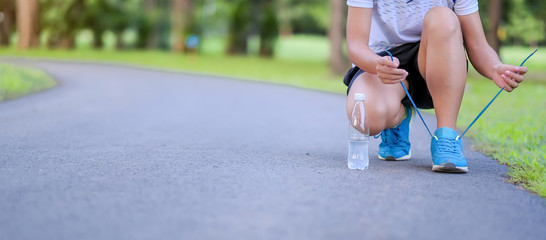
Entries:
{"x":284,"y":15}
{"x":164,"y":32}
{"x":74,"y":22}
{"x":181,"y":16}
{"x":143,"y":24}
{"x":338,"y":62}
{"x":96,"y":18}
{"x":494,"y":13}
{"x":269,"y":28}
{"x":160,"y":22}
{"x":147,"y":19}
{"x":7,"y":19}
{"x":239,"y":28}
{"x":60,"y":20}
{"x":27,"y":23}
{"x":309,"y":17}
{"x":518,"y":22}
{"x":538,"y":9}
{"x":523,"y":26}
{"x":148,"y":25}
{"x":119,"y":19}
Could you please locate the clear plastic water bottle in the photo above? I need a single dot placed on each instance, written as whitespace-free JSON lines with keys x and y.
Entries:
{"x":359,"y":134}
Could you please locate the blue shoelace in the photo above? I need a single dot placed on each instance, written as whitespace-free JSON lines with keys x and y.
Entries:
{"x":392,"y":138}
{"x":447,"y":145}
{"x":475,"y":119}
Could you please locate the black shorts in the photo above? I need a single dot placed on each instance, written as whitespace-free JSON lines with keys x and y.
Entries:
{"x":407,"y":54}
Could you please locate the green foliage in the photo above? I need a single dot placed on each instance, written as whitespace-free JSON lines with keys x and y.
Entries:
{"x":522,"y":20}
{"x":269,"y":30}
{"x":523,"y":25}
{"x":512,"y":130}
{"x":18,"y":81}
{"x":309,"y":17}
{"x":239,"y":28}
{"x":537,"y":8}
{"x":60,"y":20}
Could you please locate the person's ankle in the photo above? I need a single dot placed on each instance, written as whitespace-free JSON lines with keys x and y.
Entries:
{"x":447,"y":126}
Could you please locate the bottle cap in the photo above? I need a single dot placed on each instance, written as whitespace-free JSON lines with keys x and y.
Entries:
{"x":360,"y":96}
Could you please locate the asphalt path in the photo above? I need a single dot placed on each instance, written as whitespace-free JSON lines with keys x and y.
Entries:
{"x":118,"y":152}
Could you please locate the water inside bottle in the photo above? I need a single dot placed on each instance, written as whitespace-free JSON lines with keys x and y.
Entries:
{"x":358,"y":155}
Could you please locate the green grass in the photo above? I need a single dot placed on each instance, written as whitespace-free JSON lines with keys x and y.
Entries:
{"x":309,"y":48}
{"x":18,"y":81}
{"x":512,"y":130}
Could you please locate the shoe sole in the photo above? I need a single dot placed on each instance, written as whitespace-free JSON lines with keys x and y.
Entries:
{"x":449,"y":168}
{"x":391,"y":158}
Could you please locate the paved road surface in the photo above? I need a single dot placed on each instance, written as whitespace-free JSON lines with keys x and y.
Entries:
{"x":117,"y":152}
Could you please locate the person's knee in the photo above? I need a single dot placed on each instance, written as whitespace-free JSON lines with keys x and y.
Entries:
{"x":377,"y":117}
{"x":381,"y":115}
{"x":381,"y":103}
{"x":442,"y":22}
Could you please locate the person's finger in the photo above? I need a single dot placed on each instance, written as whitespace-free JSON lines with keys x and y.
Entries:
{"x":394,"y":63}
{"x":522,"y":70}
{"x":391,"y":73}
{"x":394,"y":71}
{"x":390,"y":76}
{"x":384,"y":61}
{"x":390,"y":79}
{"x":516,"y":69}
{"x":515,"y":76}
{"x":510,"y":81}
{"x":507,"y":88}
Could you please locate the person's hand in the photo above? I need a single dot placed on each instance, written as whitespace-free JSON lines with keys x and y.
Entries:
{"x":508,"y":76}
{"x":388,"y":72}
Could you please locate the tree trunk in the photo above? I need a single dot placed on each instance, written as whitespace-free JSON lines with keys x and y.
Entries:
{"x":27,"y":23}
{"x":285,"y":28}
{"x":120,"y":45}
{"x":239,"y":28}
{"x":180,"y":17}
{"x":68,"y":41}
{"x":7,"y":12}
{"x":98,"y":43}
{"x":153,"y":37}
{"x":337,"y":62}
{"x":495,"y":11}
{"x":269,"y":28}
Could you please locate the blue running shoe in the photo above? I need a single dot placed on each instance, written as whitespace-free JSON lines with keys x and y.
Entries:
{"x":447,"y":152}
{"x":395,"y":145}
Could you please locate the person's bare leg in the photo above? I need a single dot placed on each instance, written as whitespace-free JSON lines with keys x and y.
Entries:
{"x":442,"y":62}
{"x":382,"y":102}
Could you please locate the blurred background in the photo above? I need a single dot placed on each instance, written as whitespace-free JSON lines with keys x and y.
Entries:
{"x":310,"y":29}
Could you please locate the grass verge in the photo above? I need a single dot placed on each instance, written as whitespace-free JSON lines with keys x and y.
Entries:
{"x":16,"y":81}
{"x":512,"y":129}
